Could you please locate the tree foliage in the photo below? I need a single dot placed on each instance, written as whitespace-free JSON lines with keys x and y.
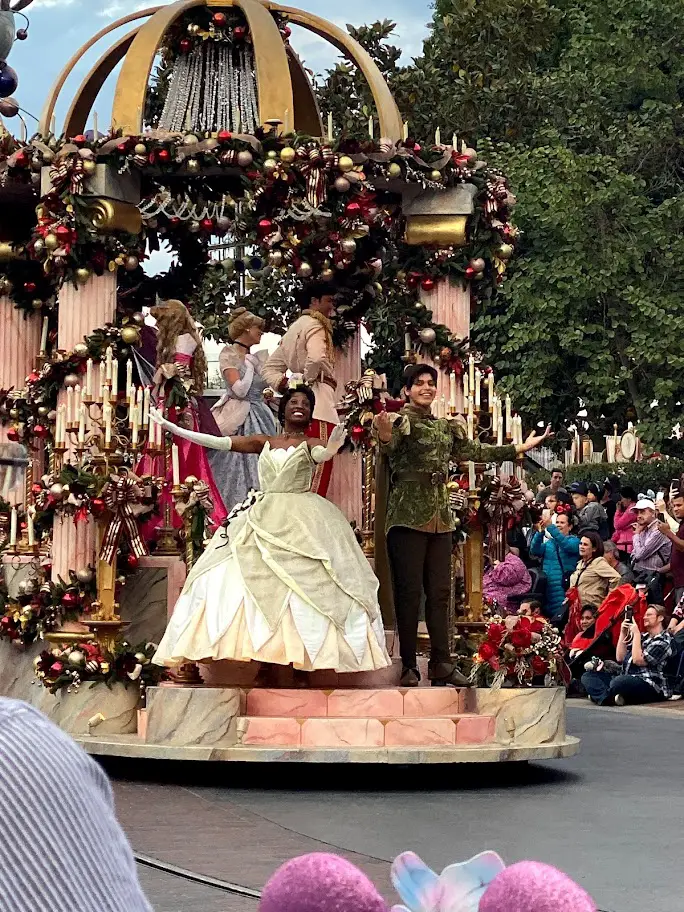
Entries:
{"x":581,"y":104}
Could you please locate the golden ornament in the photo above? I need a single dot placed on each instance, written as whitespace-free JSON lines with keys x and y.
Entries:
{"x":5,"y":286}
{"x":37,"y":304}
{"x":272,"y":155}
{"x":193,"y":166}
{"x":505,"y":251}
{"x":288,"y":155}
{"x":436,"y":176}
{"x":394,"y":170}
{"x":345,"y":164}
{"x":89,"y":167}
{"x":130,"y":335}
{"x":6,"y":251}
{"x":140,"y":149}
{"x":270,"y":166}
{"x":82,"y":275}
{"x":51,"y":242}
{"x":131,"y":263}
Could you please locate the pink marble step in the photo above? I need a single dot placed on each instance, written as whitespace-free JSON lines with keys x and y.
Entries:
{"x":404,"y":731}
{"x":352,"y":703}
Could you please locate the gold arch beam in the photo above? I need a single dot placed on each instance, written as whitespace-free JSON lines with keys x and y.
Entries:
{"x":273,"y":77}
{"x":51,"y":101}
{"x":307,"y":117}
{"x":84,"y":100}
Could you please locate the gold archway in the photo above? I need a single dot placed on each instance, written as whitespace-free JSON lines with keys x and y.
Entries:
{"x":285,"y":93}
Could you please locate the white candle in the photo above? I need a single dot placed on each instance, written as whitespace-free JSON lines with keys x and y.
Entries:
{"x":13,"y":527}
{"x":330,"y":127}
{"x":509,"y":426}
{"x":478,"y":388}
{"x":131,"y":405}
{"x":134,"y":432}
{"x":89,"y":379}
{"x":69,"y":406}
{"x":146,"y":407}
{"x":81,"y":425}
{"x":103,"y":372}
{"x":109,"y":356}
{"x":77,"y":402}
{"x":175,"y":467}
{"x":60,"y":431}
{"x":407,"y":342}
{"x":370,"y":126}
{"x":107,"y":413}
{"x":471,"y":476}
{"x":129,"y":375}
{"x":495,"y":412}
{"x":158,"y":435}
{"x":454,"y":143}
{"x":29,"y":528}
{"x":44,"y":335}
{"x":438,"y":137}
{"x":499,"y":431}
{"x":115,"y":378}
{"x":139,"y":404}
{"x":471,"y":372}
{"x":471,"y":429}
{"x":452,"y":390}
{"x":466,"y":392}
{"x":490,"y":390}
{"x":405,"y":131}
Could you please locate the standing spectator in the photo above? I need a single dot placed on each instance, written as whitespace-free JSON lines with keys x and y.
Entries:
{"x":44,"y":778}
{"x":625,"y":518}
{"x":612,"y":557}
{"x":676,"y":566}
{"x":651,"y":550}
{"x":505,"y":579}
{"x":594,"y":495}
{"x":610,"y":498}
{"x":590,"y":514}
{"x":643,"y":658}
{"x":555,"y":487}
{"x":593,"y":577}
{"x":559,"y":554}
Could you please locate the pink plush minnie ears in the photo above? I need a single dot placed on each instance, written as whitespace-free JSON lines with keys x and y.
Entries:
{"x":530,"y":886}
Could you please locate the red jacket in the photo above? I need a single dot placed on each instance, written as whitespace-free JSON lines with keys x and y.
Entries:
{"x":624,"y":533}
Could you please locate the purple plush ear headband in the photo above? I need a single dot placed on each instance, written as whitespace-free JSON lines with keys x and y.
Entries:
{"x":321,"y":882}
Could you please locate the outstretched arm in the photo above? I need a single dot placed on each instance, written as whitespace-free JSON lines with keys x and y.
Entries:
{"x":254,"y":444}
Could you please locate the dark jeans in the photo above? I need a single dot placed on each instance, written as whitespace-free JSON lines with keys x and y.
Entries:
{"x":603,"y":687}
{"x":421,"y":561}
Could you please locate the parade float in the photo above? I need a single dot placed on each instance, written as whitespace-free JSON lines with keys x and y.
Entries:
{"x":215,"y":149}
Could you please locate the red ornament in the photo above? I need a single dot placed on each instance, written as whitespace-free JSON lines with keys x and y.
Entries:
{"x":357,"y":433}
{"x":207,"y":224}
{"x":63,"y":234}
{"x":219,"y":19}
{"x":97,"y":506}
{"x":21,"y":160}
{"x":265,"y":227}
{"x":413,"y":279}
{"x":70,"y":600}
{"x":184,"y":44}
{"x":286,"y":32}
{"x":29,"y":287}
{"x":353,"y":210}
{"x":36,"y":489}
{"x":132,"y":561}
{"x":224,"y":135}
{"x":33,"y":377}
{"x":164,"y":155}
{"x":427,"y":284}
{"x":13,"y":434}
{"x":41,"y":431}
{"x":174,"y":221}
{"x":470,"y":272}
{"x":239,"y":32}
{"x":80,"y":139}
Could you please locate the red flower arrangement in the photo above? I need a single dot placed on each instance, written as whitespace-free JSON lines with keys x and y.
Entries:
{"x":517,"y":650}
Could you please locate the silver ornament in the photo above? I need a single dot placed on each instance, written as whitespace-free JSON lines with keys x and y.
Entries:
{"x":427,"y":336}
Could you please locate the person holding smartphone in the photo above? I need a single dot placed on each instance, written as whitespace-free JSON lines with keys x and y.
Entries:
{"x":643,"y":657}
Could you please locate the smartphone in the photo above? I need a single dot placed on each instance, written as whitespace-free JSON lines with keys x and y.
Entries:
{"x":629,"y":614}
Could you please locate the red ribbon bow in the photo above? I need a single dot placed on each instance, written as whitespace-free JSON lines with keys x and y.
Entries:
{"x":120,"y":494}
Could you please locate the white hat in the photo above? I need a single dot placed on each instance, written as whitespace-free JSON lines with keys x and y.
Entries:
{"x":645,"y":504}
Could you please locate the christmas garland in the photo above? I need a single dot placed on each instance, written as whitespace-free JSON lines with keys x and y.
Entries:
{"x":41,"y":608}
{"x":68,"y":667}
{"x":517,"y":650}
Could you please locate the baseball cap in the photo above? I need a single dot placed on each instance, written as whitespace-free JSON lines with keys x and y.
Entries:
{"x":579,"y":487}
{"x":645,"y":504}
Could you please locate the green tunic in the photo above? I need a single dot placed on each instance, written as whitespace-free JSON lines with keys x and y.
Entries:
{"x":417,"y":502}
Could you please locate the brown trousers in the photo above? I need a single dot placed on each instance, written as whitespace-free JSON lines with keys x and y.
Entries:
{"x":421,"y":562}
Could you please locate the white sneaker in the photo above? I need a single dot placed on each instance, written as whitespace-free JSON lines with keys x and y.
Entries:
{"x":674,"y":698}
{"x":620,"y":700}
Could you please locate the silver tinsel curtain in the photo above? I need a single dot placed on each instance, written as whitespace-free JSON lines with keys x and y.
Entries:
{"x":212,"y":88}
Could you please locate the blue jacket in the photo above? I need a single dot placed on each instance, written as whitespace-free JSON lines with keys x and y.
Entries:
{"x":568,"y":548}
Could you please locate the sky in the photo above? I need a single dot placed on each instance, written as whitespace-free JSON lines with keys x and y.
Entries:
{"x":59,"y":27}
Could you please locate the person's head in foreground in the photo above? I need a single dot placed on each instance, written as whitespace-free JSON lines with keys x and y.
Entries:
{"x":655,"y":620}
{"x":295,"y":409}
{"x":318,"y":297}
{"x":610,"y":553}
{"x":646,"y":512}
{"x":580,"y":494}
{"x":588,"y":616}
{"x":530,"y":608}
{"x":591,"y":546}
{"x":322,"y":882}
{"x":421,"y":385}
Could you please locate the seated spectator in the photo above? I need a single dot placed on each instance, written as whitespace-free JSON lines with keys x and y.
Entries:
{"x":643,"y":658}
{"x":555,"y":486}
{"x":650,"y":550}
{"x":559,"y":554}
{"x":587,"y":618}
{"x":594,"y":578}
{"x":531,"y":609}
{"x":591,"y":516}
{"x":44,"y":778}
{"x":505,"y":579}
{"x":625,"y":518}
{"x":612,"y":556}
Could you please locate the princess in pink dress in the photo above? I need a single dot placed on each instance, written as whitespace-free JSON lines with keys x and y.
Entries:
{"x":180,"y":358}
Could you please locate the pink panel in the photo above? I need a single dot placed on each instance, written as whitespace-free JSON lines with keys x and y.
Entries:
{"x":83,"y":309}
{"x":73,"y":546}
{"x":434,"y":701}
{"x":272,"y":732}
{"x":343,"y":733}
{"x":298,"y":703}
{"x":345,"y":484}
{"x":363,"y":703}
{"x":475,"y":729}
{"x":450,"y":305}
{"x":420,"y":733}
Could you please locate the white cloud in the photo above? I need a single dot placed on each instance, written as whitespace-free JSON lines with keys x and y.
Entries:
{"x":46,"y":3}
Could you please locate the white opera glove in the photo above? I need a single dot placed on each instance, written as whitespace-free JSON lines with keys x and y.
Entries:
{"x":205,"y":440}
{"x":242,"y":387}
{"x":336,"y":440}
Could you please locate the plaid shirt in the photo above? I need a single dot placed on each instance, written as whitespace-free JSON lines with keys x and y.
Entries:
{"x":657,"y":650}
{"x":651,"y":549}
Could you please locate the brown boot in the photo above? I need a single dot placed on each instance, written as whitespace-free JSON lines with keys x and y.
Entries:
{"x":410,"y":677}
{"x":444,"y":674}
